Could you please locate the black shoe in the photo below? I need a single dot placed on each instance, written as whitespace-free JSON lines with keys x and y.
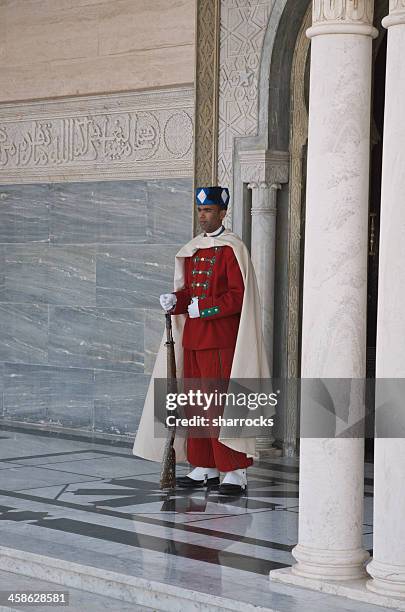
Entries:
{"x":231,"y":489}
{"x":234,"y":482}
{"x":190,"y":483}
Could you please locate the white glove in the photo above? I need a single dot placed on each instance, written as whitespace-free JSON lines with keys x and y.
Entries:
{"x":167,"y":301}
{"x":193,"y":310}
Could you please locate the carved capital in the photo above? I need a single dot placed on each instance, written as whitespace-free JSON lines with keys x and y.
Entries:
{"x":397,"y":14}
{"x":264,"y":167}
{"x":264,"y":185}
{"x":342,"y":16}
{"x":358,"y":11}
{"x":397,"y":5}
{"x":264,"y":200}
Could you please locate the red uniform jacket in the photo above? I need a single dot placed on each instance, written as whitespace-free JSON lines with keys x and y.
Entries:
{"x":212,"y":275}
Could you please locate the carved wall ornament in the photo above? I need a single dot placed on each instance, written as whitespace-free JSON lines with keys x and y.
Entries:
{"x":132,"y":135}
{"x":206,"y":95}
{"x":243,"y":26}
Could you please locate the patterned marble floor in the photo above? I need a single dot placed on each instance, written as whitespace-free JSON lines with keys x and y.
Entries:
{"x":98,"y":505}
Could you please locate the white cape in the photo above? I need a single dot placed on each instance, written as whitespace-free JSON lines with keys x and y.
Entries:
{"x":250,"y":360}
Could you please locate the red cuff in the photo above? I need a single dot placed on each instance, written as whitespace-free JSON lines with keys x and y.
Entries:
{"x":183,"y":300}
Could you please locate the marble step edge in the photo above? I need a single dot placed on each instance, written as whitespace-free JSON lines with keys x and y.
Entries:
{"x":126,"y":440}
{"x":148,"y":593}
{"x":352,"y":589}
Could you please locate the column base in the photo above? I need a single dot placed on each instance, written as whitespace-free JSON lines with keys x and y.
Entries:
{"x":265,"y":448}
{"x":352,"y":589}
{"x":266,"y":453}
{"x":386,"y":579}
{"x":333,"y":565}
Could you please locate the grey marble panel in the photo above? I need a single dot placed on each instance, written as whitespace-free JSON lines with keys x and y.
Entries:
{"x":119,"y":399}
{"x":154,"y":328}
{"x":117,"y":416}
{"x":24,"y":213}
{"x":109,"y":385}
{"x":2,"y":267}
{"x":102,"y":211}
{"x":73,"y":213}
{"x":58,"y":395}
{"x":134,"y":275}
{"x":109,"y":338}
{"x":74,"y":413}
{"x":24,"y":333}
{"x":121,"y":211}
{"x":170,"y":211}
{"x":1,"y":387}
{"x":49,"y":273}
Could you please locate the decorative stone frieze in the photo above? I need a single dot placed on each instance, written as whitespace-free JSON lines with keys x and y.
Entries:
{"x":131,"y":135}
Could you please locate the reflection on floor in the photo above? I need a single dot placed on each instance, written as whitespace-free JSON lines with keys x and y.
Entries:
{"x":98,"y":505}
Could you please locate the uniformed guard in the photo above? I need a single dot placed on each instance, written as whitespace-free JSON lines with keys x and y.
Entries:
{"x":212,"y":297}
{"x":218,"y":329}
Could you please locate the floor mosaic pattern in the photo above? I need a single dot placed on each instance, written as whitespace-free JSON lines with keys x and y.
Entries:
{"x":97,"y":504}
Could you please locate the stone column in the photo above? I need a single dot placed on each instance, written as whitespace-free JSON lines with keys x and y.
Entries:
{"x":335,"y":284}
{"x":263,"y":253}
{"x":388,"y":565}
{"x":264,"y":171}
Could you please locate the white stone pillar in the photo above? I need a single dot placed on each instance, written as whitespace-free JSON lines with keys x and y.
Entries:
{"x":335,"y":282}
{"x":263,"y":253}
{"x":264,"y":172}
{"x":387,"y":567}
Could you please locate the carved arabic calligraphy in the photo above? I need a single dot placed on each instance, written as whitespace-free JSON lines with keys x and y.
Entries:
{"x":130,"y":136}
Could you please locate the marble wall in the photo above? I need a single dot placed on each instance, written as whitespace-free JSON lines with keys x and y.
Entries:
{"x":82,"y":266}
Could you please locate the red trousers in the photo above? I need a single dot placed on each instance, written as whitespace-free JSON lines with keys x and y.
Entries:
{"x":209,"y":452}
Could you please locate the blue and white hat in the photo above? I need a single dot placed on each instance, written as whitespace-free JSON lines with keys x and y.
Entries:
{"x":205,"y":196}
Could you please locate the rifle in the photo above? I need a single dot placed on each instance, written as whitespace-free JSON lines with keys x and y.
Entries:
{"x":168,"y":472}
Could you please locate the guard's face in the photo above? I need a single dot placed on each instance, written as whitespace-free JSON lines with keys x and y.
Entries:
{"x":210,"y":217}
